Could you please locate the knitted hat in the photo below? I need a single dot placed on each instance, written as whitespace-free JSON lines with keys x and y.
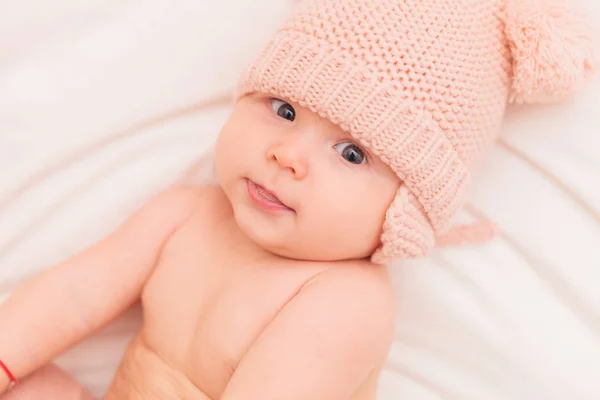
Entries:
{"x":423,"y":84}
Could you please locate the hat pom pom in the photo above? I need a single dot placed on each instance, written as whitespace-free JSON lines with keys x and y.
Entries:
{"x":552,"y":50}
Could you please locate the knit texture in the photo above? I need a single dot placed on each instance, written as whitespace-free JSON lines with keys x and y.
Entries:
{"x":423,"y":84}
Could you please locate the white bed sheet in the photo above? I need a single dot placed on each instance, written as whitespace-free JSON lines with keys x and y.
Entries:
{"x":103,"y":104}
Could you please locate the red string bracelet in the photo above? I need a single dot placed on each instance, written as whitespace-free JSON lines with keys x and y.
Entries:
{"x":11,"y":377}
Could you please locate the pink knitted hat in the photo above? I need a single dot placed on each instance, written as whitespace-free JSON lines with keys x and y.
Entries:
{"x":423,"y":84}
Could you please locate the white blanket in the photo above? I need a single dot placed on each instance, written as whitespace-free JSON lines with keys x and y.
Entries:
{"x":104,"y":103}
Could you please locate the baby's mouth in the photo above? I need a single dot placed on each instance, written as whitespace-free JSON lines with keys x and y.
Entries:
{"x":265,"y":198}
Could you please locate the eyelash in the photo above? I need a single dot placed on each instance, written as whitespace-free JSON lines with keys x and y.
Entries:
{"x":270,"y":101}
{"x":366,"y":154}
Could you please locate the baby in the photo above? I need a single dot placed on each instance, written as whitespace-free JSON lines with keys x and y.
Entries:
{"x":350,"y":145}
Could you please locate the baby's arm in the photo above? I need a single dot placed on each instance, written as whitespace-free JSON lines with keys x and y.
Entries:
{"x":323,"y":344}
{"x":65,"y":303}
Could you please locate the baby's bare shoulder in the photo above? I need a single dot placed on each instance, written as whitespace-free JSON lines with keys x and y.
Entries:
{"x":357,"y":288}
{"x":348,"y":305}
{"x":356,"y":279}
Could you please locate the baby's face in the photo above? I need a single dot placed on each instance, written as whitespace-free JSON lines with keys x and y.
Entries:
{"x":300,"y":187}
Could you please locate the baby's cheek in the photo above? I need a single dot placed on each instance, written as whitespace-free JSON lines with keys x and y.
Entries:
{"x":365,"y":221}
{"x":226,"y":155}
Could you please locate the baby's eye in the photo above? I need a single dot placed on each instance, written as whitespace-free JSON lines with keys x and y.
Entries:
{"x":283,"y":109}
{"x":351,"y":152}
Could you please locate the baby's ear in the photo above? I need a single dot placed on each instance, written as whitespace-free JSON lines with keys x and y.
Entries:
{"x":552,"y":50}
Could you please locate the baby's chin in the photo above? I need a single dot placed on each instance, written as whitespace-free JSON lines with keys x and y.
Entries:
{"x":292,"y":245}
{"x":270,"y":240}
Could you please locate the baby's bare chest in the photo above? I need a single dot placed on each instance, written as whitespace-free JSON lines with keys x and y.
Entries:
{"x":205,"y":305}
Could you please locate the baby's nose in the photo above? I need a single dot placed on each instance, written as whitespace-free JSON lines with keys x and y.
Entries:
{"x":290,"y":156}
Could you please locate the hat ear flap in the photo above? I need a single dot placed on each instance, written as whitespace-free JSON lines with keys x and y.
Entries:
{"x":406,"y":231}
